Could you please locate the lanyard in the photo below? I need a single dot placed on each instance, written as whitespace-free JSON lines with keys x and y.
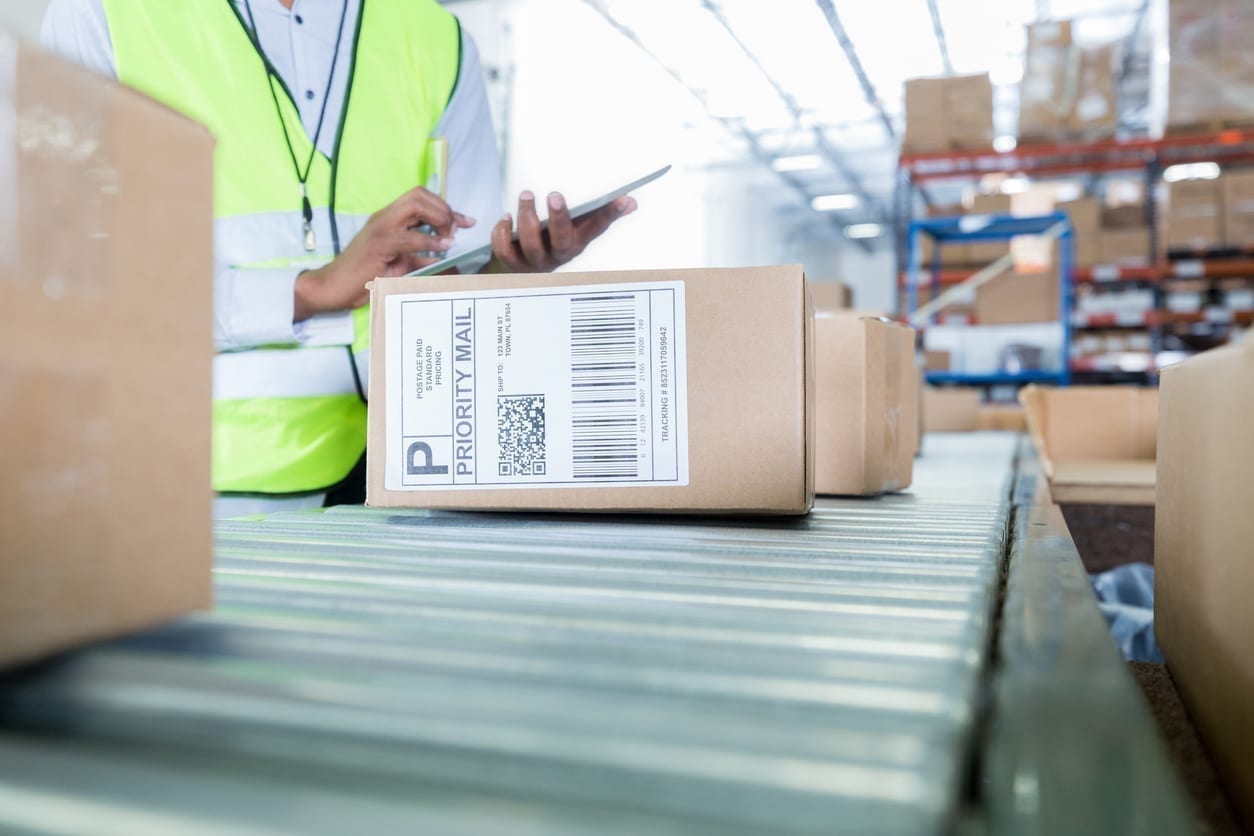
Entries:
{"x":301,"y":174}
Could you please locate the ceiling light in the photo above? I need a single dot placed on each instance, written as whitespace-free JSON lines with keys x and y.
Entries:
{"x":834,"y":202}
{"x":863,"y":231}
{"x":1191,"y":171}
{"x":1003,"y":144}
{"x":798,"y":162}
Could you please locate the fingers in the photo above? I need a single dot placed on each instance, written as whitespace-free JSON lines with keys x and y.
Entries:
{"x":593,"y":225}
{"x":418,"y":206}
{"x":413,"y":241}
{"x":563,"y":239}
{"x":463,"y":221}
{"x":504,"y":248}
{"x":530,"y":236}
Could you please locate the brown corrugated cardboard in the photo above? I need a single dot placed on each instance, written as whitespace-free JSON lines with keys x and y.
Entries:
{"x":830,"y":295}
{"x":1128,"y":247}
{"x":1211,"y":67}
{"x":718,"y":401}
{"x":105,"y":323}
{"x":1204,"y":560}
{"x":936,"y":361}
{"x":1096,"y":443}
{"x":1193,"y":233}
{"x":1015,"y":298}
{"x":1124,"y":215}
{"x":1001,"y":417}
{"x":927,"y":118}
{"x":866,"y":413}
{"x":950,"y":410}
{"x":1046,"y":98}
{"x":1184,"y":195}
{"x":1086,"y":225}
{"x":970,"y":107}
{"x":1238,"y":208}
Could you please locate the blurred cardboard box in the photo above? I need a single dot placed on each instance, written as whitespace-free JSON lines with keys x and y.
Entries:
{"x":948,"y":114}
{"x":1014,"y":298}
{"x":106,"y":325}
{"x":950,"y":410}
{"x":951,"y":255}
{"x":1129,"y":247}
{"x":1202,"y":232}
{"x":1001,"y":418}
{"x":1086,"y":225}
{"x":670,"y":391}
{"x":1193,"y":217}
{"x":830,"y":295}
{"x":992,"y":204}
{"x":970,"y":107}
{"x":987,"y":252}
{"x":866,"y":415}
{"x":1211,"y":74}
{"x":1043,"y":101}
{"x":936,"y":361}
{"x":1096,"y":443}
{"x":1203,"y":555}
{"x":1237,"y":188}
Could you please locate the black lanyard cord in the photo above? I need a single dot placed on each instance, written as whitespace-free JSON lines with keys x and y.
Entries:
{"x":271,"y":74}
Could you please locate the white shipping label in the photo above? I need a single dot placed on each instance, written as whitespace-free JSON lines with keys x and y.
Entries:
{"x":552,"y":387}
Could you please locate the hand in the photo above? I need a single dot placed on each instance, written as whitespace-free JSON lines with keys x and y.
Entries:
{"x":388,"y":245}
{"x":541,"y":251}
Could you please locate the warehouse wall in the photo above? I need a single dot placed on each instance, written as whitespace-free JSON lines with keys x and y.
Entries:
{"x":22,"y":17}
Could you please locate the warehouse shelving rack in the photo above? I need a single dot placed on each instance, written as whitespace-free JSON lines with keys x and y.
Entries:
{"x":1147,"y":156}
{"x":974,"y":229}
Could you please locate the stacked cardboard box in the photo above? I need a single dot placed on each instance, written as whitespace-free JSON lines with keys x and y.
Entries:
{"x":1016,"y":298}
{"x":830,"y":295}
{"x":951,"y":255}
{"x":989,"y":204}
{"x":1086,"y":227}
{"x":1193,"y":216}
{"x":1212,"y":66}
{"x":1067,"y":93}
{"x":948,"y":114}
{"x":1237,"y":188}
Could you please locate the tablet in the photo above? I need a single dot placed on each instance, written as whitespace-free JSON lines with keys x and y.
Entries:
{"x":576,"y":212}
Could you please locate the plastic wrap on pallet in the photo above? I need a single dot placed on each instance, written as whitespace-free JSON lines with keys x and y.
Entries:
{"x":1068,"y":92}
{"x":1212,"y":66}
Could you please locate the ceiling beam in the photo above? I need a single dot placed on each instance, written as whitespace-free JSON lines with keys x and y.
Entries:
{"x":938,"y":29}
{"x":868,"y":89}
{"x":833,"y":156}
{"x":733,"y":126}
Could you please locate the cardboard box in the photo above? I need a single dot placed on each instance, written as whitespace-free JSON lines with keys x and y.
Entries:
{"x":866,"y":415}
{"x":927,"y":128}
{"x":830,"y":295}
{"x":1001,"y":418}
{"x":1046,"y":98}
{"x":1122,"y":216}
{"x":1238,"y":208}
{"x":970,"y":108}
{"x":476,"y":402}
{"x":1202,"y":232}
{"x":106,"y":279}
{"x":950,"y":410}
{"x":1204,"y":561}
{"x":1014,"y":298}
{"x":1086,"y":225}
{"x":1096,"y":443}
{"x":992,"y":204}
{"x":1193,"y":197}
{"x":936,"y":361}
{"x":1128,"y":247}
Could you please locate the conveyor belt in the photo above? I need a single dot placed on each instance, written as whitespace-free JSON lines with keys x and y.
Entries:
{"x":374,"y":671}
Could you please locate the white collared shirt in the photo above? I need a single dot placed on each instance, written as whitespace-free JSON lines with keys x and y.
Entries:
{"x":255,"y":307}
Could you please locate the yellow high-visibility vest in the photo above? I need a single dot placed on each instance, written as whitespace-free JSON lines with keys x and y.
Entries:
{"x":289,"y":419}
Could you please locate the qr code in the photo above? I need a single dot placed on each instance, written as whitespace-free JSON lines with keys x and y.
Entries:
{"x":520,"y":434}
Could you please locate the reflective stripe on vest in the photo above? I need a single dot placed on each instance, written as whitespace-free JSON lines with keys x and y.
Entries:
{"x":285,"y":423}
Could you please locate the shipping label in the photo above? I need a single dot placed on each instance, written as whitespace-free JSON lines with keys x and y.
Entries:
{"x":552,"y":387}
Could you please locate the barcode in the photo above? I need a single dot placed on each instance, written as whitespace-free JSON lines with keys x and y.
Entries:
{"x":603,"y":387}
{"x":520,"y":435}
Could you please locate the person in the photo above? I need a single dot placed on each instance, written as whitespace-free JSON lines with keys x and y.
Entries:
{"x":322,"y":110}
